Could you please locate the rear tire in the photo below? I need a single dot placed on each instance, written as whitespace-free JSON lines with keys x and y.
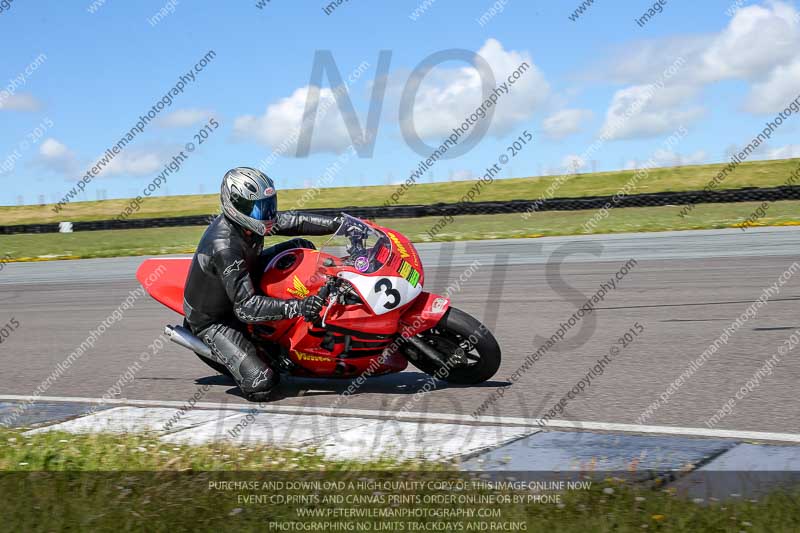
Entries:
{"x":455,"y":330}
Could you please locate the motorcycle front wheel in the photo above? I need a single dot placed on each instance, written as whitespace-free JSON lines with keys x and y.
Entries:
{"x":459,"y":350}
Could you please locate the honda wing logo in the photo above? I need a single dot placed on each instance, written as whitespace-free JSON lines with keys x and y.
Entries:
{"x":299,"y":290}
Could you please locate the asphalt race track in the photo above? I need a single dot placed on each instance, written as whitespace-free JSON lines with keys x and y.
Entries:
{"x":684,"y":290}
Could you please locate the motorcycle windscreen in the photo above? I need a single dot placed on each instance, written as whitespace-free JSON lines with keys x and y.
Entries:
{"x":383,"y":294}
{"x":357,"y":245}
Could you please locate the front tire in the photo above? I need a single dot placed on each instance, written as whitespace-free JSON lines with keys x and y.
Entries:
{"x":478,"y":360}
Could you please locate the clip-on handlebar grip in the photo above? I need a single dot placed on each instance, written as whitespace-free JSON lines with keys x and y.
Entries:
{"x":323,"y":293}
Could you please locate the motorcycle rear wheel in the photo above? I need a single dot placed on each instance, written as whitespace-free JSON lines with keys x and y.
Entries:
{"x":479,"y":360}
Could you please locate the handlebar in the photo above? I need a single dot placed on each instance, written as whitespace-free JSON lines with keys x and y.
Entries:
{"x":325,"y":292}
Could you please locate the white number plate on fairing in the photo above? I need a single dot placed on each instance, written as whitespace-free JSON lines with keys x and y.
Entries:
{"x":383,"y":293}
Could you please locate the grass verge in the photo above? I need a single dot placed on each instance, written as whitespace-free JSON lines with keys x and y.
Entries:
{"x":59,"y":481}
{"x":684,"y":178}
{"x":157,"y":241}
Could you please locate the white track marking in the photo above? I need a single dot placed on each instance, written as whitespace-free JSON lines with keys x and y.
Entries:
{"x":438,"y":417}
{"x":126,"y":419}
{"x":269,"y":429}
{"x":336,"y":437}
{"x":410,"y":440}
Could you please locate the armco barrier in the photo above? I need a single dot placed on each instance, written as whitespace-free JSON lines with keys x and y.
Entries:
{"x":751,"y":194}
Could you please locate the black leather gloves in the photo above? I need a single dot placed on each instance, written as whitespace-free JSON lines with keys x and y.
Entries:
{"x":310,"y":307}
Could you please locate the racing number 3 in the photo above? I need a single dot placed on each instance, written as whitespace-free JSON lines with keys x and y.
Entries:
{"x":391,"y":292}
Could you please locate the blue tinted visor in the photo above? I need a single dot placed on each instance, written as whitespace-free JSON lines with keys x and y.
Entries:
{"x":264,"y":209}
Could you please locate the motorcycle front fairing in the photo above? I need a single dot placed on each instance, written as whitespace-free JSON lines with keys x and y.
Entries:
{"x":377,"y":265}
{"x":364,"y":317}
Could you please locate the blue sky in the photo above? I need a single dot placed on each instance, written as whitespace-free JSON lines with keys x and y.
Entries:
{"x":96,"y":73}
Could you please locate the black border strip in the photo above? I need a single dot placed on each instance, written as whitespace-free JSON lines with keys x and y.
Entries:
{"x":750,"y":194}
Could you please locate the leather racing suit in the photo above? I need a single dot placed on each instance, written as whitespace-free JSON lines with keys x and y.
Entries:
{"x":220,"y":298}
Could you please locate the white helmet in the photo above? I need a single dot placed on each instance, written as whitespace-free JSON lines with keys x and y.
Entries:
{"x":249,"y":199}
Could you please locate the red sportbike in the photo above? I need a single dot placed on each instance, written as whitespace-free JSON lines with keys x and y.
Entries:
{"x":376,"y":319}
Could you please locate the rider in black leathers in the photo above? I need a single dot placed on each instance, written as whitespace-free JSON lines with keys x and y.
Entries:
{"x":219,"y":297}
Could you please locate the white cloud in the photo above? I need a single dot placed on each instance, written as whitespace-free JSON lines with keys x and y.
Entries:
{"x":52,"y":149}
{"x":784,"y":152}
{"x":758,"y":46}
{"x":776,"y":92}
{"x":446,"y":97}
{"x":461,"y":175}
{"x":645,"y":61}
{"x":573,"y":162}
{"x":644,"y":111}
{"x":19,"y":102}
{"x":54,"y":155}
{"x":757,"y":39}
{"x":565,"y":122}
{"x":135,"y":163}
{"x":669,"y":158}
{"x":57,"y":156}
{"x":697,"y":157}
{"x":282,"y":120}
{"x":183,"y":118}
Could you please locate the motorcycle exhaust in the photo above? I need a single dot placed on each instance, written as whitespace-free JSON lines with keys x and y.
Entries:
{"x":183,"y":337}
